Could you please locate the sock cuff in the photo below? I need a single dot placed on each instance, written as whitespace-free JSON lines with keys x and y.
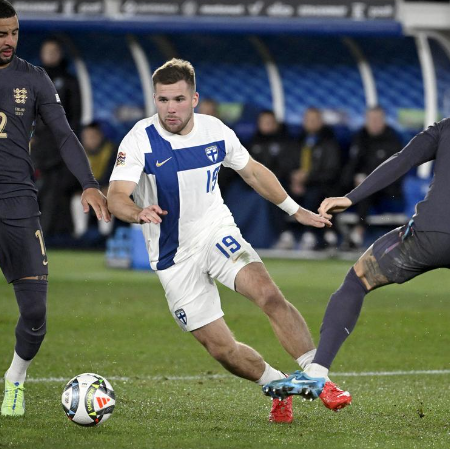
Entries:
{"x":269,"y":375}
{"x":305,"y":359}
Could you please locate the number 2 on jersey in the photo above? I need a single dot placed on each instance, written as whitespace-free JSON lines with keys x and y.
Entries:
{"x":231,"y":244}
{"x":212,"y":179}
{"x":3,"y":120}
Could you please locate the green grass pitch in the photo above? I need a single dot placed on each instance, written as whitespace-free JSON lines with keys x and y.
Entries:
{"x":171,"y":394}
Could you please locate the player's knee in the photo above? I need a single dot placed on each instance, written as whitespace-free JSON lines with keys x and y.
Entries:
{"x":31,"y":298}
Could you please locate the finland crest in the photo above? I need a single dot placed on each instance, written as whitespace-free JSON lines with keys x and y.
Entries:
{"x":212,"y":152}
{"x":181,"y":315}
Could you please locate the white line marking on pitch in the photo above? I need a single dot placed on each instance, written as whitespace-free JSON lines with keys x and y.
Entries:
{"x":224,"y":376}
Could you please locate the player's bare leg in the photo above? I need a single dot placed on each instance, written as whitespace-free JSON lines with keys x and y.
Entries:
{"x":255,"y":283}
{"x":238,"y":358}
{"x":243,"y":361}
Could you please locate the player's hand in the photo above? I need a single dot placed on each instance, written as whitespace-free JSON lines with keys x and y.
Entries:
{"x":308,"y":218}
{"x":94,"y":198}
{"x":151,"y":214}
{"x":334,"y":205}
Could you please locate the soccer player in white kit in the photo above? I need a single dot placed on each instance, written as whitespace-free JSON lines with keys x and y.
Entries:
{"x":170,"y":163}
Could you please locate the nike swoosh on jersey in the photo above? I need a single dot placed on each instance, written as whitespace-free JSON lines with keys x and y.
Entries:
{"x":159,"y":164}
{"x":45,"y":262}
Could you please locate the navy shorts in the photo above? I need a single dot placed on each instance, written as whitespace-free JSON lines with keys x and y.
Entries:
{"x":22,"y":248}
{"x":404,"y":253}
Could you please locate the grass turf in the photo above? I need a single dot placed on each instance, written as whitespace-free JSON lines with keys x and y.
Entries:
{"x":116,"y":323}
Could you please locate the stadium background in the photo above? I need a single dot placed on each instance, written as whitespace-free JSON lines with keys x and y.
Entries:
{"x":170,"y":394}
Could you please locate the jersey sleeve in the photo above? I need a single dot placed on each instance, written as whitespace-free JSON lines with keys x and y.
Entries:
{"x":52,"y":113}
{"x":130,"y":159}
{"x":237,"y":156}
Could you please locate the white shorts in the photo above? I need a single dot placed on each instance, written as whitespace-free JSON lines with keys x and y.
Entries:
{"x":190,"y":289}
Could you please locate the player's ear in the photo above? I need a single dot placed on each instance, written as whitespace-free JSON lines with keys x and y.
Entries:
{"x":195,"y":99}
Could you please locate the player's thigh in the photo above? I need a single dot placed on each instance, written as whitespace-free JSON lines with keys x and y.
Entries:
{"x":22,"y":248}
{"x":191,"y":294}
{"x":228,"y":253}
{"x":404,"y":253}
{"x":254,"y":282}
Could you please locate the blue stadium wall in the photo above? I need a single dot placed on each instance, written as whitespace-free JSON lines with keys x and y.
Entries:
{"x":315,"y":71}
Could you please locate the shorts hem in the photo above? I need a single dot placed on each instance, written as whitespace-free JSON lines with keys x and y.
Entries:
{"x":203,"y":323}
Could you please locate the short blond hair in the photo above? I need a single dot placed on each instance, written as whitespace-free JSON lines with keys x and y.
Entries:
{"x":173,"y":71}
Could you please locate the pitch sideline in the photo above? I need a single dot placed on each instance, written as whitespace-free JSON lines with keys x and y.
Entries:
{"x":224,"y":376}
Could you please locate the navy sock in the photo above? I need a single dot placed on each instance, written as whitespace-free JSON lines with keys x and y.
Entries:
{"x":340,"y":318}
{"x":31,"y":298}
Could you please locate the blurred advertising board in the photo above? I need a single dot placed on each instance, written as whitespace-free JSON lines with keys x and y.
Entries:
{"x":67,"y":7}
{"x":295,"y":9}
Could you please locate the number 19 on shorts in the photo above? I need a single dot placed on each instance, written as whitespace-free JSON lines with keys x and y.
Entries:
{"x":228,"y":245}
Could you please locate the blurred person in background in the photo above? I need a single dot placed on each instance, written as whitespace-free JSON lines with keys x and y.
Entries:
{"x":101,"y":153}
{"x":55,"y":182}
{"x":208,"y":106}
{"x":316,"y":166}
{"x":272,"y":146}
{"x":374,"y":143}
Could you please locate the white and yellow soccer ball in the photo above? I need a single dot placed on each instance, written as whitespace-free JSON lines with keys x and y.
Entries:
{"x":88,"y":399}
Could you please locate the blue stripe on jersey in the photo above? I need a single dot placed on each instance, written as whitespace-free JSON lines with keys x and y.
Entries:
{"x":165,"y":163}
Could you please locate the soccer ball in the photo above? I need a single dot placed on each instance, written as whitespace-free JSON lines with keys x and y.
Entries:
{"x":88,"y":399}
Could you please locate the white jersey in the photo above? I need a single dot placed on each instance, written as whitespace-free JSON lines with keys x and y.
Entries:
{"x":179,"y":173}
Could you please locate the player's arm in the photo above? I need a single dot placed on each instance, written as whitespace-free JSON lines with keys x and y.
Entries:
{"x":72,"y":152}
{"x":123,"y":207}
{"x":422,"y":148}
{"x":263,"y":181}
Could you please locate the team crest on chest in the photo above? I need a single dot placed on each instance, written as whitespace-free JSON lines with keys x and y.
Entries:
{"x":20,"y":95}
{"x":212,"y":153}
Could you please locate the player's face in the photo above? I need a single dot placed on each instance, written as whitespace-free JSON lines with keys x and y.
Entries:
{"x":9,"y":35}
{"x":175,"y":104}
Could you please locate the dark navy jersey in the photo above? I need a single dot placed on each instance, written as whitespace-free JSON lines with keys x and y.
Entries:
{"x":25,"y":92}
{"x":433,"y":144}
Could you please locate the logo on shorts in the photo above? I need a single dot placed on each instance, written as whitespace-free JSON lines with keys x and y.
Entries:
{"x":212,"y":153}
{"x":181,"y":315}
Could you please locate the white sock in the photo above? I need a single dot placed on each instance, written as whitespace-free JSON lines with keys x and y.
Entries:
{"x":316,"y":370}
{"x":269,"y":374}
{"x":17,"y":372}
{"x":305,"y":359}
